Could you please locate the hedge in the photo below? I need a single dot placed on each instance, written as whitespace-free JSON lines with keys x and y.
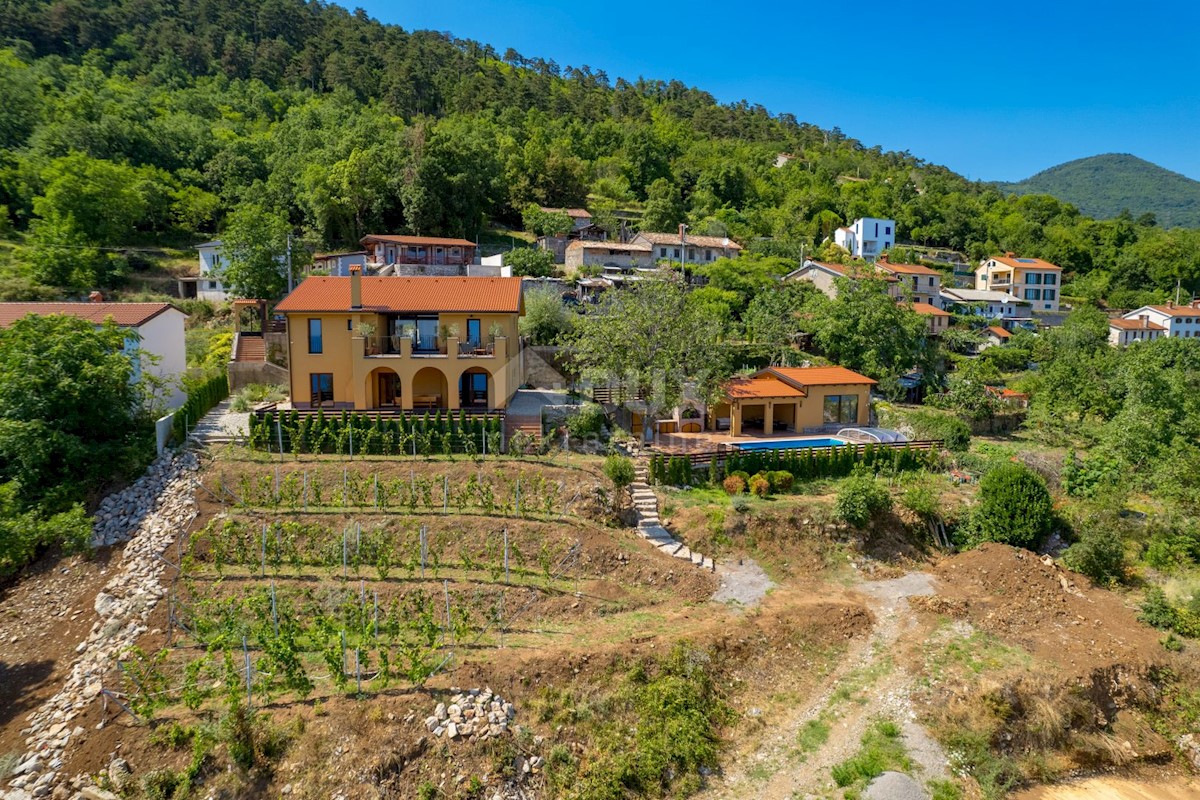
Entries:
{"x":354,"y":433}
{"x":200,"y":399}
{"x":834,"y":462}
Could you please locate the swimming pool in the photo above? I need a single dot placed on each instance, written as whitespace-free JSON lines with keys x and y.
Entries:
{"x":790,"y":444}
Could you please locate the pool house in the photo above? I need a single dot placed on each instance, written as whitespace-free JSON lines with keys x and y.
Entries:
{"x":793,"y":399}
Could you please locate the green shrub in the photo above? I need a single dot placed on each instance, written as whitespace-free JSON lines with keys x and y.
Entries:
{"x":734,"y":484}
{"x":859,"y":498}
{"x":781,"y":480}
{"x":955,"y":433}
{"x":589,"y":421}
{"x":921,"y":499}
{"x":1099,"y":549}
{"x":619,"y":470}
{"x":760,"y":486}
{"x":1014,"y":507}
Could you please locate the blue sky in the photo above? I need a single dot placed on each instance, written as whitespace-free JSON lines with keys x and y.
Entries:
{"x":996,"y":91}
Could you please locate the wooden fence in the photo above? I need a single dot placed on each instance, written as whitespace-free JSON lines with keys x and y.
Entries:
{"x":382,"y":413}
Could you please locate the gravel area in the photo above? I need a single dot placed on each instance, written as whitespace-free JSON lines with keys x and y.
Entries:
{"x":743,"y":582}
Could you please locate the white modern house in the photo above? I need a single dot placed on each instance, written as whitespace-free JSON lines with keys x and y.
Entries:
{"x":1031,"y":279}
{"x":1180,"y":321}
{"x":986,"y":303}
{"x":867,"y":237}
{"x":212,"y":268}
{"x":159,"y":328}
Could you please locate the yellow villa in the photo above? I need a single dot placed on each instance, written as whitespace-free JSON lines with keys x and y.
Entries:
{"x":370,"y":343}
{"x":780,"y":399}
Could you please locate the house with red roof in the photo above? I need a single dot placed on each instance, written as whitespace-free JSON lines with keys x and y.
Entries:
{"x":368,"y":343}
{"x":1180,"y":321}
{"x":158,"y":328}
{"x":389,"y":254}
{"x":779,"y":399}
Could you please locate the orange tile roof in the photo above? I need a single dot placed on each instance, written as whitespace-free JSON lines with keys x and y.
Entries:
{"x":127,"y":315}
{"x":996,"y":329}
{"x":1177,"y":311}
{"x":927,"y":309}
{"x":698,"y":241}
{"x":1018,"y":262}
{"x":415,"y":240}
{"x":421,"y":295}
{"x":580,"y":213}
{"x":820,"y":376}
{"x":1134,"y":325}
{"x":905,"y":269}
{"x":750,"y":388}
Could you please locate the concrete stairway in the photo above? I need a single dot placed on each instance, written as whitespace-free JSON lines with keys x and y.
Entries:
{"x":650,"y":527}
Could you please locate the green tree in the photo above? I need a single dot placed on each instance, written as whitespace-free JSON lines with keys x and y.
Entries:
{"x":255,"y":242}
{"x":864,"y":329}
{"x":1014,"y":507}
{"x":619,"y":470}
{"x":648,"y":338}
{"x":531,"y":262}
{"x":859,"y":498}
{"x":103,"y":201}
{"x":68,"y":406}
{"x":664,"y":207}
{"x":546,"y":317}
{"x":545,"y":223}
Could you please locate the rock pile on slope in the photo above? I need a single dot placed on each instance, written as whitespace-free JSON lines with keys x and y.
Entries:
{"x":123,"y":607}
{"x":472,"y":715}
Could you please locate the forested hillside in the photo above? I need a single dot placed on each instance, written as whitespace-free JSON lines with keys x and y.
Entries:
{"x":1104,"y":186}
{"x":156,"y":122}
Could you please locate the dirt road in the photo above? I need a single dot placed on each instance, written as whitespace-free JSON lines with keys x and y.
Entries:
{"x":1116,"y":789}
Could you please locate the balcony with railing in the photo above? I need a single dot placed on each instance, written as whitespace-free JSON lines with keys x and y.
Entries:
{"x":409,"y":345}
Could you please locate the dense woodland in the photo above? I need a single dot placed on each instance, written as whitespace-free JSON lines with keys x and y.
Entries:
{"x":153,"y":122}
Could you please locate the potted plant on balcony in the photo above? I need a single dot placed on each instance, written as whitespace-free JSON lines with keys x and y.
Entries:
{"x":367,"y":331}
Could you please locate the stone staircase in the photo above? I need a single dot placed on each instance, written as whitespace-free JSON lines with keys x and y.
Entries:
{"x":650,"y":527}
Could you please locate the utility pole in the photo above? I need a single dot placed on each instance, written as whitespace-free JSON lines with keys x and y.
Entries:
{"x":683,"y":247}
{"x":289,"y":263}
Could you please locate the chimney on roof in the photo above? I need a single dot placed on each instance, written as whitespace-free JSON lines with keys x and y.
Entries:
{"x":1145,"y":320}
{"x":355,"y":286}
{"x":1010,"y":254}
{"x":96,"y":297}
{"x":1170,"y":304}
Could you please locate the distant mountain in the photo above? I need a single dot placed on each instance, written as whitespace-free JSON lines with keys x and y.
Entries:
{"x":1103,"y":185}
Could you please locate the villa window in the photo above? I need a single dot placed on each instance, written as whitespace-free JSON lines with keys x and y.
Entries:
{"x":1048,"y":294}
{"x":662,"y":252}
{"x":1051,"y":280}
{"x":316,"y":343}
{"x":473,"y":332}
{"x":321,"y":384}
{"x":841,"y":408}
{"x":1033,"y":278}
{"x":677,"y":252}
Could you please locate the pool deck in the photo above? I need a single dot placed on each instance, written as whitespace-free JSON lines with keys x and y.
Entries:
{"x":706,"y":441}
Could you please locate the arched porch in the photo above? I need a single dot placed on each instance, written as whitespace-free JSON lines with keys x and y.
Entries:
{"x":384,"y":388}
{"x":429,"y":389}
{"x":476,"y":389}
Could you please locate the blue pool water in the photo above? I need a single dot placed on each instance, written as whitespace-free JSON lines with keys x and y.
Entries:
{"x":790,"y":444}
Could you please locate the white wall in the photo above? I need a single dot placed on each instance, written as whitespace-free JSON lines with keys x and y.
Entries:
{"x":163,"y":337}
{"x":872,"y":236}
{"x":212,"y":266}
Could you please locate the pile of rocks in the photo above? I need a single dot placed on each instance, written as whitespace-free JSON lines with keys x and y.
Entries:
{"x":121,"y":513}
{"x":123,"y":608}
{"x":472,"y":715}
